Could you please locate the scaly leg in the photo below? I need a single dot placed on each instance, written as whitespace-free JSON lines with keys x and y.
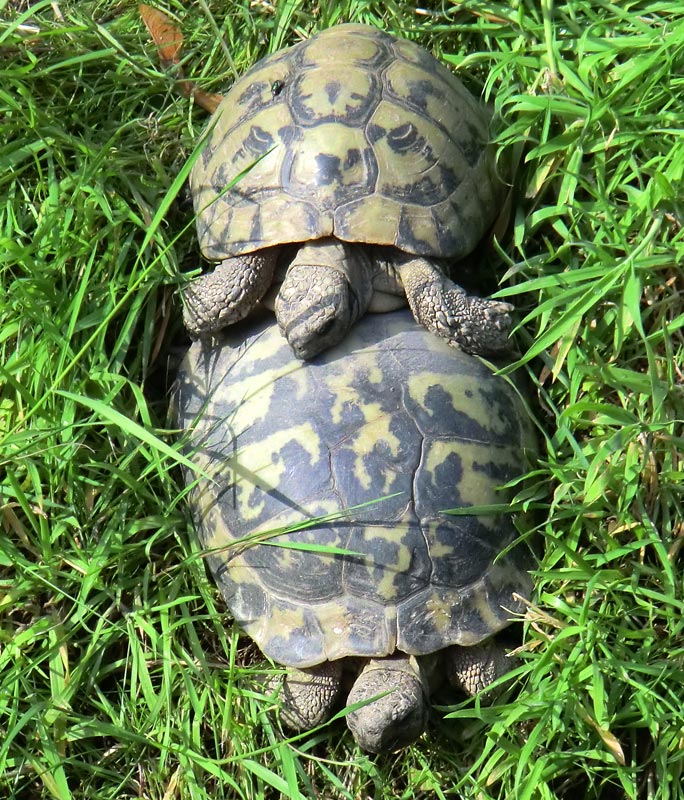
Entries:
{"x":475,"y":324}
{"x":229,"y":293}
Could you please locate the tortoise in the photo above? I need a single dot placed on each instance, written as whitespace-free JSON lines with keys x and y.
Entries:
{"x":320,"y":504}
{"x":351,"y":170}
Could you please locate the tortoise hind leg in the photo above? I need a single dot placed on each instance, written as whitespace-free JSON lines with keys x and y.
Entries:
{"x":308,"y":696}
{"x":475,"y":324}
{"x":229,"y":293}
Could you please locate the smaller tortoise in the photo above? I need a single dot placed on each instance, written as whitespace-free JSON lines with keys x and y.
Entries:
{"x":377,"y":437}
{"x":352,"y":167}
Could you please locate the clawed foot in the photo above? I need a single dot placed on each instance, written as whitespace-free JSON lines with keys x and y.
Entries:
{"x":475,"y":324}
{"x":228,"y":294}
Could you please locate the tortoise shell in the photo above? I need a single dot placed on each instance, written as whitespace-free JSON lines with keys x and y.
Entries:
{"x":353,"y":133}
{"x":362,"y":450}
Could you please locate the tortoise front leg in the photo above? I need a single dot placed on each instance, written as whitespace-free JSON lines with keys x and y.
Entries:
{"x":229,"y":293}
{"x":475,"y":324}
{"x":473,"y":669}
{"x":308,"y":695}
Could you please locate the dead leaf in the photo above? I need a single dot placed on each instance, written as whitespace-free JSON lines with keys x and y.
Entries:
{"x":168,"y":40}
{"x":165,"y":34}
{"x":608,"y":738}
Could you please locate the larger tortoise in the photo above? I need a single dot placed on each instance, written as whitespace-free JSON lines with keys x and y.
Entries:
{"x":373,"y":161}
{"x":362,"y":450}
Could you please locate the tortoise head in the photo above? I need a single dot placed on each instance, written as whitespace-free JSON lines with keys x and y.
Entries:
{"x":325,"y":290}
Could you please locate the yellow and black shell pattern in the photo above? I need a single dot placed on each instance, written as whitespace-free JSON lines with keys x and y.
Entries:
{"x":378,"y":436}
{"x":353,"y":133}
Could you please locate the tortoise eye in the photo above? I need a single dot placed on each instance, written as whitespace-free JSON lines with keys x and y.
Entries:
{"x":326,"y":327}
{"x":277,"y":87}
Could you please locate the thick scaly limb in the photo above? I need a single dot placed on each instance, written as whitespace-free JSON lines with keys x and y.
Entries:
{"x":473,"y":669}
{"x":229,"y":293}
{"x":308,"y":695}
{"x":475,"y":324}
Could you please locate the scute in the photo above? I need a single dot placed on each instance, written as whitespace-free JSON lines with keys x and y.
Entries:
{"x":382,"y":434}
{"x":370,"y":140}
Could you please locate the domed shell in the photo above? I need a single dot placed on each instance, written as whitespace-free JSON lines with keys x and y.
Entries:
{"x":379,"y":437}
{"x":353,"y":133}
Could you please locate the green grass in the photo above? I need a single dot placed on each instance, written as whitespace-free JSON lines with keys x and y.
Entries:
{"x":121,"y":675}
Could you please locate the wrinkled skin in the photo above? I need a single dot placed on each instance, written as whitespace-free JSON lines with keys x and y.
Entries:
{"x":394,"y":691}
{"x":330,"y":284}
